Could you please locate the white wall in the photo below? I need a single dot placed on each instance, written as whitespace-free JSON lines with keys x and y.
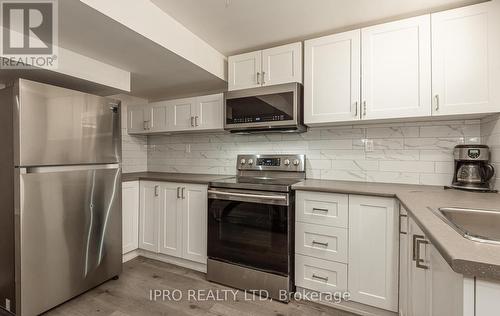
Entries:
{"x":416,"y":153}
{"x":490,"y":133}
{"x":134,"y":148}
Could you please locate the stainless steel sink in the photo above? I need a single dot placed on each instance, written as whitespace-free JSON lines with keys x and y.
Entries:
{"x":474,"y":224}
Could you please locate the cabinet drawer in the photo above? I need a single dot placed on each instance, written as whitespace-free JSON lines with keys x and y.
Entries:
{"x":329,"y":243}
{"x":320,"y":275}
{"x":322,"y":208}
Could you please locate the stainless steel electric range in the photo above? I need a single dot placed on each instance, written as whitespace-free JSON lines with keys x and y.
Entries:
{"x":251,"y":225}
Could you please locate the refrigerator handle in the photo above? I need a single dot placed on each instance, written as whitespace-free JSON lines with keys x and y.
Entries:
{"x":49,"y":169}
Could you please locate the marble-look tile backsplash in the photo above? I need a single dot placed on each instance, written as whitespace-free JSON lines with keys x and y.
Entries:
{"x":416,"y":153}
{"x":490,"y":133}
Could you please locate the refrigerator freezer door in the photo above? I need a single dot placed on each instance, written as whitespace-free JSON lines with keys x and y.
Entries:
{"x":58,"y":126}
{"x":70,"y":233}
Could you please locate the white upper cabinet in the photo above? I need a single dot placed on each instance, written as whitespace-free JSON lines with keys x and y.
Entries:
{"x":332,"y":78}
{"x":466,"y":60}
{"x":277,"y":65}
{"x":158,"y":117}
{"x":396,"y":69}
{"x":245,"y":71}
{"x":209,"y":112}
{"x":373,"y":251}
{"x":282,"y":64}
{"x":138,"y":120}
{"x":180,"y":114}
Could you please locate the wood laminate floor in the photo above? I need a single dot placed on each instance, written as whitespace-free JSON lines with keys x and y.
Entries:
{"x":130,"y":295}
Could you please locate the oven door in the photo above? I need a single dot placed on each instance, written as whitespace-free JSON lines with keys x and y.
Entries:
{"x":250,"y":228}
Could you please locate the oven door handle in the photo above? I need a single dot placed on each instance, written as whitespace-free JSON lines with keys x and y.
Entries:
{"x":257,"y":196}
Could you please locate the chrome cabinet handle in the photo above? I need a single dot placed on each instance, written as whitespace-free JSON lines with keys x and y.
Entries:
{"x":183,"y":190}
{"x":196,"y":121}
{"x":437,"y":101}
{"x":324,"y":244}
{"x":400,"y":221}
{"x":414,"y":247}
{"x":324,"y":210}
{"x":356,"y":109}
{"x":156,"y":190}
{"x":258,"y":75}
{"x":364,"y":108}
{"x":417,"y":241}
{"x":325,"y":279}
{"x":263,"y":77}
{"x":146,"y":126}
{"x":178,"y":192}
{"x":192,"y":121}
{"x":419,"y":261}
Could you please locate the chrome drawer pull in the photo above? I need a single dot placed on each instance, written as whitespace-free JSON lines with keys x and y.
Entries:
{"x":324,"y":210}
{"x":324,"y":244}
{"x":325,"y":279}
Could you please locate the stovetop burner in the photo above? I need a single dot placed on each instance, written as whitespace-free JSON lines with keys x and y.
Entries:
{"x":265,"y":173}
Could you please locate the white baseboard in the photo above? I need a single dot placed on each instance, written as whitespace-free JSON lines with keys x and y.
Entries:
{"x":130,"y":255}
{"x":166,"y":258}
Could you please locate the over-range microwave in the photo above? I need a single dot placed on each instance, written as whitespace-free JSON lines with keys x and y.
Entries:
{"x":277,"y":108}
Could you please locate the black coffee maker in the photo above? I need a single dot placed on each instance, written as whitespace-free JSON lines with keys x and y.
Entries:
{"x":473,"y":170}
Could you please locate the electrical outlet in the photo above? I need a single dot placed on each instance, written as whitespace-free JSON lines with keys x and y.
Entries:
{"x":368,"y":145}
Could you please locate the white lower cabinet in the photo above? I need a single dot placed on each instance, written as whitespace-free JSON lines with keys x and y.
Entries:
{"x":320,"y":275}
{"x":130,"y":216}
{"x":373,"y":251}
{"x":348,"y":243}
{"x":429,"y":287}
{"x":173,"y":219}
{"x":148,"y":219}
{"x":170,"y":239}
{"x":194,"y":223}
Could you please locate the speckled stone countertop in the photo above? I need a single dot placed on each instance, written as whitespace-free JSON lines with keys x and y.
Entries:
{"x":173,"y":177}
{"x":464,"y":256}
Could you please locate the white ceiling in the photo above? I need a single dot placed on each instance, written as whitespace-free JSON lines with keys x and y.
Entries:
{"x":156,"y":73}
{"x":234,"y":26}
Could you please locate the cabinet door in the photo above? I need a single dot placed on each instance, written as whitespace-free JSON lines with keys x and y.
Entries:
{"x":373,"y":251}
{"x":396,"y":69}
{"x":170,"y":241}
{"x":332,"y":78}
{"x":158,"y":116}
{"x":466,"y":59}
{"x":148,"y":222}
{"x":209,"y":112}
{"x":404,"y":262}
{"x":419,"y":298}
{"x":180,"y":114}
{"x":194,"y":214}
{"x":130,"y":213}
{"x":245,"y":71}
{"x":282,"y":64}
{"x":137,"y":119}
{"x":446,"y":288}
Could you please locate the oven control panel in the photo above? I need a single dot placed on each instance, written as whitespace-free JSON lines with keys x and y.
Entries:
{"x":272,"y":162}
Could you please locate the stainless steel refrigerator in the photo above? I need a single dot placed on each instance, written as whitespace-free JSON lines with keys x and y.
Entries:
{"x":60,"y":195}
